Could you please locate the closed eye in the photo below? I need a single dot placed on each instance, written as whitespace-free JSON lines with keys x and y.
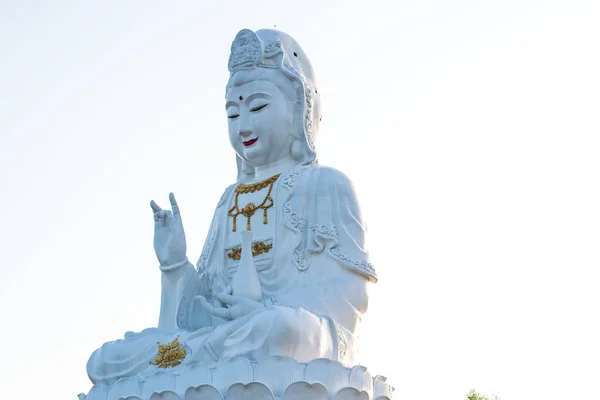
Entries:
{"x":233,"y":116}
{"x":258,"y":108}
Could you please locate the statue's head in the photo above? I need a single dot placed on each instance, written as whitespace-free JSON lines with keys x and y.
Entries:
{"x":272,"y":103}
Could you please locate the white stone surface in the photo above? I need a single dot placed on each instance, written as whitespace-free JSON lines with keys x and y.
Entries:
{"x":283,"y":316}
{"x":241,"y":378}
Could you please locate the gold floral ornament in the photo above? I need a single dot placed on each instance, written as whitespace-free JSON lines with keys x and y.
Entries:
{"x":257,"y":248}
{"x":250,"y":208}
{"x":169,"y":355}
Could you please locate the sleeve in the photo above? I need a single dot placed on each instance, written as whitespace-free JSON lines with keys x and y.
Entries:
{"x":331,"y":236}
{"x":190,"y":315}
{"x":333,"y":221}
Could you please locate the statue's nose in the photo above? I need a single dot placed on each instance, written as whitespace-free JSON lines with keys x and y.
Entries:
{"x":244,"y":126}
{"x":245,"y":132}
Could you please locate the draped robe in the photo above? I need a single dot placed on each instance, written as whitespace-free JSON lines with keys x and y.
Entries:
{"x":313,"y":279}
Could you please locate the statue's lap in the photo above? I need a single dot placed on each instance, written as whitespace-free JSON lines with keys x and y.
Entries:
{"x":277,"y":331}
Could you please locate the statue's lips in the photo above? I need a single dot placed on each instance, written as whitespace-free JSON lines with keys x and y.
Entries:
{"x":250,"y":142}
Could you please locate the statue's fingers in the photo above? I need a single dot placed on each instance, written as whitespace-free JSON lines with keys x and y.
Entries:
{"x":162,"y":216}
{"x":170,"y":218}
{"x":216,"y":311}
{"x":155,"y":206}
{"x":226,"y":298}
{"x":174,"y":206}
{"x":228,"y":290}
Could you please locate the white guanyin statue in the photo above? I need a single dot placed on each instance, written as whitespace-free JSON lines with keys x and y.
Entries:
{"x":272,"y":307}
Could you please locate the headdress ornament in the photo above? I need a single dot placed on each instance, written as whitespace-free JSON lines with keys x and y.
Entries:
{"x":268,"y":48}
{"x":248,"y":51}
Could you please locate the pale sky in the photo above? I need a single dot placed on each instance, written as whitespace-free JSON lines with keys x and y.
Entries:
{"x":470,"y":129}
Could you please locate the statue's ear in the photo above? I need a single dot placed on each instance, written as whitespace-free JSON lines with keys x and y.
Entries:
{"x":298,"y":151}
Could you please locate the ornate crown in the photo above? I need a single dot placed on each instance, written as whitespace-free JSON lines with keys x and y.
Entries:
{"x":248,"y":51}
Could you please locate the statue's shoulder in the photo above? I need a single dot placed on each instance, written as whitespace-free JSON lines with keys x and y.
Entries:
{"x":324,"y":174}
{"x":324,"y":178}
{"x":225,"y":194}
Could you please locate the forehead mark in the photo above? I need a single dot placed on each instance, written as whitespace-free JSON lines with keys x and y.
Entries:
{"x":258,"y":95}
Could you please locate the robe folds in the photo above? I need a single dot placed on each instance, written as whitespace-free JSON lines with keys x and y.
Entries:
{"x":314,"y":282}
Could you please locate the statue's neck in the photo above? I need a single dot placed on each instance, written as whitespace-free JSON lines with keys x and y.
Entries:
{"x":278,"y":167}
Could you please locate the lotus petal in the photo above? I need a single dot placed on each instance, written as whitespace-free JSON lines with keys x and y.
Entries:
{"x":350,"y":393}
{"x":232,"y":371}
{"x":97,"y":392}
{"x":304,"y":391}
{"x":166,"y":395}
{"x":157,"y":383}
{"x":194,"y":376}
{"x":330,"y":373}
{"x":124,"y":387}
{"x":253,"y":390}
{"x":278,"y":373}
{"x":381,"y":387}
{"x":361,"y":379}
{"x":203,"y":392}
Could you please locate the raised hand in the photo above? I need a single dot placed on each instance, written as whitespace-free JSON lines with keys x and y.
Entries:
{"x":169,"y":237}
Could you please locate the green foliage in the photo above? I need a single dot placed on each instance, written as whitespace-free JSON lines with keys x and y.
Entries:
{"x":473,"y":395}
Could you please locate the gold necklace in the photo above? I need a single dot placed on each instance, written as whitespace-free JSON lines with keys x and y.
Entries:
{"x":250,"y":208}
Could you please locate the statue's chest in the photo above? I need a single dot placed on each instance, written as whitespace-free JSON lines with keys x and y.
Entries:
{"x":255,"y":212}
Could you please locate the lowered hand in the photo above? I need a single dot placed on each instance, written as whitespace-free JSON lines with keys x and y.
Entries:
{"x":235,"y":306}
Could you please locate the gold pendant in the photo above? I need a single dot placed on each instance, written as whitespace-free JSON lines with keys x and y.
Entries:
{"x":250,"y":208}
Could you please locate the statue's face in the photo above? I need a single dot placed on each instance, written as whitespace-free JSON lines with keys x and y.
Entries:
{"x":260,"y":120}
